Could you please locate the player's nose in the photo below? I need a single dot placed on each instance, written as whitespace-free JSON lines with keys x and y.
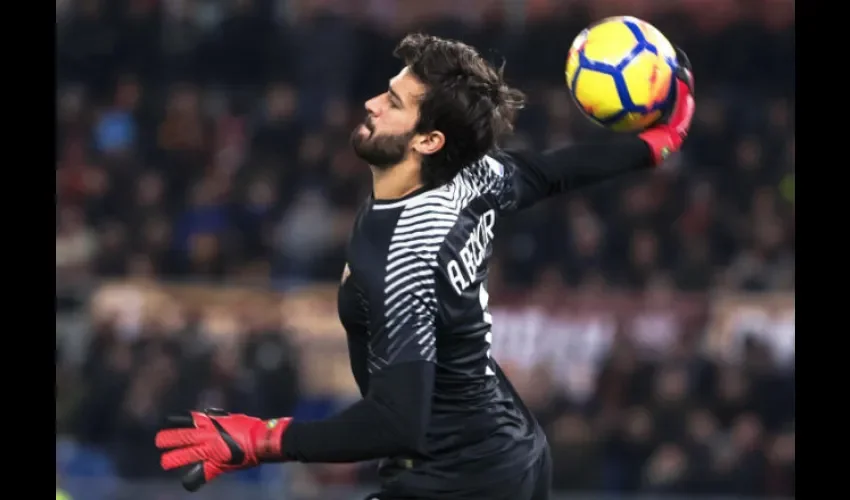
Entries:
{"x":372,"y":106}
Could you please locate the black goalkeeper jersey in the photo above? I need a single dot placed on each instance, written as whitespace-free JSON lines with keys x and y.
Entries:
{"x":415,"y":290}
{"x":436,"y":408}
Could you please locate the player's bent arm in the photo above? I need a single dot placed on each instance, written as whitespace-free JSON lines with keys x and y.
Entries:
{"x":358,"y":351}
{"x":390,"y":421}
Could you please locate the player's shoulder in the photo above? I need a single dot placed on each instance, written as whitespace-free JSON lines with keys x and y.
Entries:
{"x":490,"y":178}
{"x":484,"y":174}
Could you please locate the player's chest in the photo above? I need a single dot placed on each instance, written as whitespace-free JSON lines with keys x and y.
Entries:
{"x":352,"y":305}
{"x":361,"y":282}
{"x":366,"y":254}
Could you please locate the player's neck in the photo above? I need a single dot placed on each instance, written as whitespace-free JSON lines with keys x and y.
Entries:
{"x":397,"y":181}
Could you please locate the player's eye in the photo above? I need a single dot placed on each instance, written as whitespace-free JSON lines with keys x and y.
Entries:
{"x":393,"y":101}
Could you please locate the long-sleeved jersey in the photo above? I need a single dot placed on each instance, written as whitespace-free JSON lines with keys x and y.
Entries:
{"x":414,"y":304}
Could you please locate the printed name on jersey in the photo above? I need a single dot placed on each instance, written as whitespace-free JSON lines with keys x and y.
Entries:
{"x":421,"y":231}
{"x":472,"y":255}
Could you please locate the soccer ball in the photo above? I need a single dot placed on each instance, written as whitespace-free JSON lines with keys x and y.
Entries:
{"x":620,"y":72}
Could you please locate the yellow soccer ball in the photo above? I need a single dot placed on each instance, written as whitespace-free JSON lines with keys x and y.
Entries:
{"x":620,"y":72}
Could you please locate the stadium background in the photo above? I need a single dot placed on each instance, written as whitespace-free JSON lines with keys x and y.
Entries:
{"x":205,"y":189}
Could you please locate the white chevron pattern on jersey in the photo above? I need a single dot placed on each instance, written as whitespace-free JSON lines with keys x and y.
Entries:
{"x":422,"y":227}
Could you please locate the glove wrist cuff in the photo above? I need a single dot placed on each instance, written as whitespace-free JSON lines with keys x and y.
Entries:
{"x":661,"y":142}
{"x":667,"y":137}
{"x":269,"y":443}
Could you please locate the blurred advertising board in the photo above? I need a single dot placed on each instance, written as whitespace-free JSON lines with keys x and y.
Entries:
{"x":572,"y":334}
{"x":767,"y":317}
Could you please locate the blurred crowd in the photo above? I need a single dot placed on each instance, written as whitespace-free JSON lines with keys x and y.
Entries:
{"x":677,"y":421}
{"x":211,"y":140}
{"x":208,"y":139}
{"x":122,"y":393}
{"x":682,"y":423}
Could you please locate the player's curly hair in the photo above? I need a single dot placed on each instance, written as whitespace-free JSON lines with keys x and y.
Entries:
{"x":467,"y":100}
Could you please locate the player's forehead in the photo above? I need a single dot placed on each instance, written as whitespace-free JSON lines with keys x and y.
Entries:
{"x":408,"y":88}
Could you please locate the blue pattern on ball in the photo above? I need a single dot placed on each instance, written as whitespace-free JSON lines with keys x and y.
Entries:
{"x":616,"y":72}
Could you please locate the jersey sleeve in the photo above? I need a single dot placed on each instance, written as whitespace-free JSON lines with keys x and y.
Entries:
{"x":404,"y":329}
{"x":519,"y":179}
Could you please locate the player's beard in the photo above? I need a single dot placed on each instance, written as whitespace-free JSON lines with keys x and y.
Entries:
{"x":379,"y":151}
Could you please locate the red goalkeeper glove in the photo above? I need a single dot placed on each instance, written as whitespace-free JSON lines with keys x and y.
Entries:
{"x":668,"y":136}
{"x":214,"y":442}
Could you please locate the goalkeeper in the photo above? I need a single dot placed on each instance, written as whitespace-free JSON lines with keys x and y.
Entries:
{"x":436,"y":407}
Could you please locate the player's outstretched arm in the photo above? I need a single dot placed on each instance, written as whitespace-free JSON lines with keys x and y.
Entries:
{"x":390,"y":421}
{"x":540,"y":175}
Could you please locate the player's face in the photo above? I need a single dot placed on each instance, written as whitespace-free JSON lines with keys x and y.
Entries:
{"x":387,"y":135}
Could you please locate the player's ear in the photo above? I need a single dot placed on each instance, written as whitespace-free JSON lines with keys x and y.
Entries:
{"x":430,"y":143}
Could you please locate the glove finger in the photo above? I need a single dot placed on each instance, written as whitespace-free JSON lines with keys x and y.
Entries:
{"x":683,"y":113}
{"x":202,"y":420}
{"x":200,"y":474}
{"x":176,"y":438}
{"x":684,"y":70}
{"x":189,"y":420}
{"x":211,"y":471}
{"x":682,"y":58}
{"x":687,"y":77}
{"x":179,"y":422}
{"x":181,"y":457}
{"x":216,"y":412}
{"x":194,"y":478}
